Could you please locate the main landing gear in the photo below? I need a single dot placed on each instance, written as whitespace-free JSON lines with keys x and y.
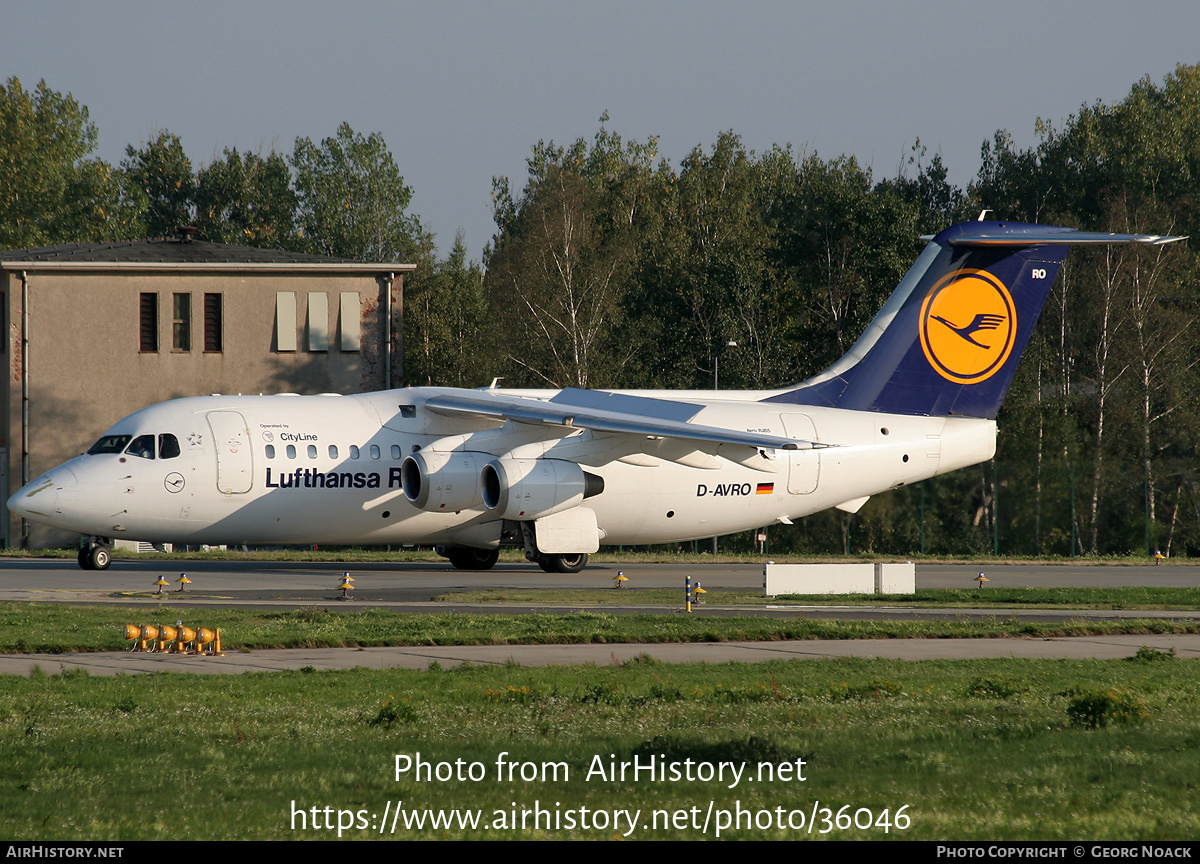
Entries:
{"x":469,"y":558}
{"x":563,"y":563}
{"x":95,"y":554}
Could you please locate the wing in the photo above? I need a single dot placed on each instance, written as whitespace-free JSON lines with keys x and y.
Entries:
{"x":605,"y":412}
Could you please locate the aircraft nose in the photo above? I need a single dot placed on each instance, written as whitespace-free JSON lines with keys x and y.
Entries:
{"x":39,"y":499}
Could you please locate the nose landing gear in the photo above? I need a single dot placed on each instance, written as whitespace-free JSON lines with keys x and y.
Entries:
{"x":95,"y":553}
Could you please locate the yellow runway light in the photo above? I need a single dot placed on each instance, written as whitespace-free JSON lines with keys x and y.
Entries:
{"x":166,"y":634}
{"x":176,"y":639}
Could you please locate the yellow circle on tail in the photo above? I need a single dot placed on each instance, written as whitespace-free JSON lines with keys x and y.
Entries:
{"x":968,"y":326}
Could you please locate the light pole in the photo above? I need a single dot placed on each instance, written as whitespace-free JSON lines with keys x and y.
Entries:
{"x":717,"y":365}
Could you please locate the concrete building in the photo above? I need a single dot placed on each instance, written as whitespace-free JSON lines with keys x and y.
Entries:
{"x":96,"y":332}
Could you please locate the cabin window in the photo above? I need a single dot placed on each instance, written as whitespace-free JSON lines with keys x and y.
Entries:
{"x":353,"y":451}
{"x":109,"y":444}
{"x":312,"y":451}
{"x":291,"y":451}
{"x":374,"y":451}
{"x":148,"y":322}
{"x":168,"y":446}
{"x":332,"y":451}
{"x":395,"y":451}
{"x":181,"y":322}
{"x":270,"y":451}
{"x":142,"y":447}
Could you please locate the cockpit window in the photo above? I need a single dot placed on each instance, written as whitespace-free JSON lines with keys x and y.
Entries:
{"x":109,"y":444}
{"x":142,"y":446}
{"x":168,"y":446}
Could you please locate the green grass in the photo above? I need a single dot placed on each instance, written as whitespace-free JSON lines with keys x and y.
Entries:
{"x":1142,"y":597}
{"x":972,"y":749}
{"x":59,"y":628}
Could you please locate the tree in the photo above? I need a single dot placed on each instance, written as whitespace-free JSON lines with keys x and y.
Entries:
{"x":351,"y":199}
{"x":444,"y":316}
{"x":160,"y":174}
{"x":938,"y":203}
{"x":248,"y":200}
{"x":1118,"y":383}
{"x":845,"y":244}
{"x":712,"y":268}
{"x":50,"y":191}
{"x":563,"y":261}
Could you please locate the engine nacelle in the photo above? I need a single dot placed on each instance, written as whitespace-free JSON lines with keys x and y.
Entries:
{"x":524,"y":489}
{"x":443,"y":482}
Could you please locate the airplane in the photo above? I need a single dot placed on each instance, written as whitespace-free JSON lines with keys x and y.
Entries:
{"x":559,"y":473}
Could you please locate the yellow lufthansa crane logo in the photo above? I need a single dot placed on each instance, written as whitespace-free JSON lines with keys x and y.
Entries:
{"x":968,"y":326}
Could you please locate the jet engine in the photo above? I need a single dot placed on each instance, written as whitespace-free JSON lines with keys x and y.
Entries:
{"x":525,"y":489}
{"x":442,"y":482}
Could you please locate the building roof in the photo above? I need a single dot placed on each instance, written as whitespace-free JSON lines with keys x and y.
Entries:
{"x":179,"y":254}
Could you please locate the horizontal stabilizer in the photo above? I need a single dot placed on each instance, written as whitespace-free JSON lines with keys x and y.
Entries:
{"x":1054,"y":237}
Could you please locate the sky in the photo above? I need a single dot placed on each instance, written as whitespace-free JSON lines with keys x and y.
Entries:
{"x":461,"y":91}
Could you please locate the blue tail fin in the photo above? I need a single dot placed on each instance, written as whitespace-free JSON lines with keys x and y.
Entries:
{"x":949,"y":338}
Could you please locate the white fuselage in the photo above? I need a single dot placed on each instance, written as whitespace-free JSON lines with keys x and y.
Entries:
{"x":326,"y":469}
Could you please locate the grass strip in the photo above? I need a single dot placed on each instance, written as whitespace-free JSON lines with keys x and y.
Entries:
{"x":61,"y":628}
{"x":1116,"y":598}
{"x":982,"y":750}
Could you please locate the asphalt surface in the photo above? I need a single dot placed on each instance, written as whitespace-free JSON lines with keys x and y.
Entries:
{"x":305,"y":584}
{"x":411,"y":587}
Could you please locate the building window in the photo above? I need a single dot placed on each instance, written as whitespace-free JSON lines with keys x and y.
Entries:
{"x":212,"y":323}
{"x":318,"y":321}
{"x":181,"y":322}
{"x":350,"y":319}
{"x":149,"y":322}
{"x":285,"y":321}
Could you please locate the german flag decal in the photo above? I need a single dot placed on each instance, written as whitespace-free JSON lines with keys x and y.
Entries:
{"x":764,"y":489}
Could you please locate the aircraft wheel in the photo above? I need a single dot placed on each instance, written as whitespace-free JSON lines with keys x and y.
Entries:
{"x":546,"y":564}
{"x":567,"y":563}
{"x":85,"y":557}
{"x":99,"y":557}
{"x":469,"y":558}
